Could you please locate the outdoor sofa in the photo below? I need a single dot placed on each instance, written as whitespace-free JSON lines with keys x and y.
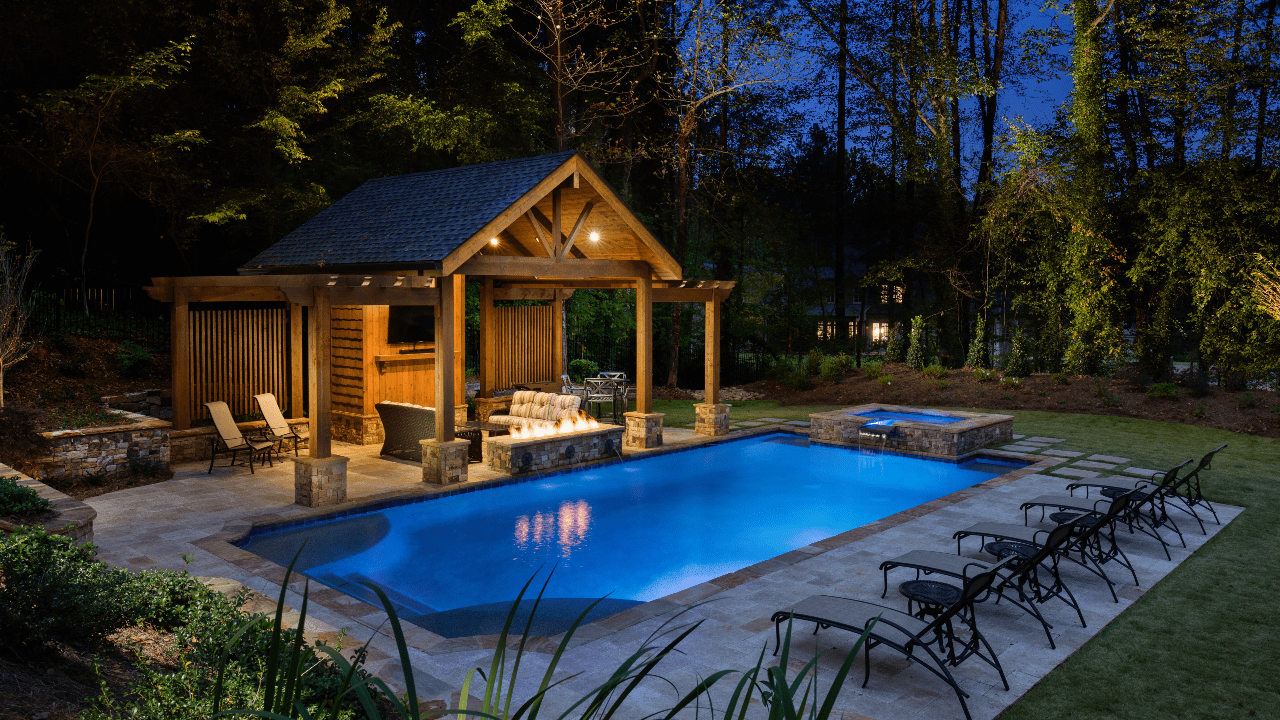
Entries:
{"x":530,"y":408}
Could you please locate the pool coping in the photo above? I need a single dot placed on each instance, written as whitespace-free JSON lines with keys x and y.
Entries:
{"x":223,"y":545}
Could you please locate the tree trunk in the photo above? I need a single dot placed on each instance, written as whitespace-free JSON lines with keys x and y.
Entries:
{"x":842,"y":174}
{"x":684,"y":166}
{"x":1260,"y":139}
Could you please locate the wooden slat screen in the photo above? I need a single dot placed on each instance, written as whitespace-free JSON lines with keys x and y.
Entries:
{"x":524,"y":337}
{"x":236,"y":354}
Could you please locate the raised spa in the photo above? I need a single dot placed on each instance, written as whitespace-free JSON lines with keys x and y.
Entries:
{"x":951,"y":434}
{"x":635,"y":530}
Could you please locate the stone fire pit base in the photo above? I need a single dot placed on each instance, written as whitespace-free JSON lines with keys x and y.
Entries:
{"x":508,"y":455}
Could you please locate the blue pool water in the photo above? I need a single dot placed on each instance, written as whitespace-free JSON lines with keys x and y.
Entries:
{"x":636,"y":530}
{"x":917,"y":417}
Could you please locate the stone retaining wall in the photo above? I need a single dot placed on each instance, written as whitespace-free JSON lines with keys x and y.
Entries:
{"x":105,"y":450}
{"x":156,"y":403}
{"x":194,"y":444}
{"x":75,"y":519}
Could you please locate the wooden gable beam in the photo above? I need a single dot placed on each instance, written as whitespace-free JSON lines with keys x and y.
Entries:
{"x":577,"y":228}
{"x":573,"y":251}
{"x":537,"y":267}
{"x":536,"y":221}
{"x":666,"y":267}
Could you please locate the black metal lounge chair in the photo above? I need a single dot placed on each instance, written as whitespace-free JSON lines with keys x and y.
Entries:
{"x":1147,"y":512}
{"x":1186,"y":491}
{"x":278,"y":429}
{"x":229,"y":440}
{"x":1031,"y":563}
{"x":909,"y":635}
{"x":1096,"y":541}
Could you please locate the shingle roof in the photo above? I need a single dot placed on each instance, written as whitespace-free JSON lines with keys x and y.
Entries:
{"x":409,"y":220}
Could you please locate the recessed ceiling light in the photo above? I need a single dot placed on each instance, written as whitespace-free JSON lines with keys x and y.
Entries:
{"x":595,"y":237}
{"x":493,"y":241}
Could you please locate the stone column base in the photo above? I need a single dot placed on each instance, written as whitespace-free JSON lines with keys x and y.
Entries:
{"x":644,"y":430}
{"x":318,"y":482}
{"x":712,"y":419}
{"x":444,"y":463}
{"x":488,"y":406}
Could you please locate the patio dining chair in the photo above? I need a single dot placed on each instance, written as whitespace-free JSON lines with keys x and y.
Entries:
{"x":1033,"y":575}
{"x":228,"y":439}
{"x":569,"y":387}
{"x":278,"y":429}
{"x":600,"y":391}
{"x":933,"y":645}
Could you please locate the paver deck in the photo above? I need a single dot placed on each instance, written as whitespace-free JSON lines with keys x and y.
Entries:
{"x":152,"y":526}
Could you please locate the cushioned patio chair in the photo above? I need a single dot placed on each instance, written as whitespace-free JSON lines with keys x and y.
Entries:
{"x":1186,"y":493}
{"x":1147,"y":511}
{"x":933,"y":645}
{"x":1033,"y":574}
{"x":278,"y":429}
{"x":404,"y":426}
{"x":1095,"y":542}
{"x":229,"y":440}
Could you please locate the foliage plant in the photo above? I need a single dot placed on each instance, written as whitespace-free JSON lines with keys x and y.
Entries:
{"x":1246,"y":400}
{"x":844,"y":362}
{"x":1015,"y":363}
{"x":1059,"y":379}
{"x":813,"y":363}
{"x":14,"y":308}
{"x":983,"y":375}
{"x":20,"y":500}
{"x":895,"y":348}
{"x":832,"y":368}
{"x":583,"y":368}
{"x":872,"y":370}
{"x":935,"y":371}
{"x":885,"y":379}
{"x":940,"y":384}
{"x":916,"y":350}
{"x":134,"y":360}
{"x":1163,"y":391}
{"x":1010,"y":382}
{"x":977,"y":357}
{"x":54,"y":590}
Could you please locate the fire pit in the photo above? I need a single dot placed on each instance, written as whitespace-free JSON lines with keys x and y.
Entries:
{"x":536,"y":448}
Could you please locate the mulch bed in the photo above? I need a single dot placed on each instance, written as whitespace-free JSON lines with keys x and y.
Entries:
{"x":1252,"y":412}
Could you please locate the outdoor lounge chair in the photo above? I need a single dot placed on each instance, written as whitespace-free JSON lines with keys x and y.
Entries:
{"x":1186,"y":492}
{"x":1096,"y":541}
{"x":905,"y":633}
{"x":1031,"y":564}
{"x":404,"y":427}
{"x":1147,"y":510}
{"x":278,"y":429}
{"x":229,"y":440}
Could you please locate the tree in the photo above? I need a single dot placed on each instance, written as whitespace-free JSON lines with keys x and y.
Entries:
{"x":90,"y":143}
{"x":1266,"y":287}
{"x":13,"y":308}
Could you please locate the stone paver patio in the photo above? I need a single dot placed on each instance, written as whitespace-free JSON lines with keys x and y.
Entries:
{"x":154,"y":526}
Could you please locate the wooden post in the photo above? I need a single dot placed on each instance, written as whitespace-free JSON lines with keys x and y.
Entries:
{"x":444,"y":351}
{"x":557,"y":333}
{"x":644,"y":344}
{"x":180,"y":353}
{"x":712,"y":343}
{"x":297,"y":397}
{"x":460,"y":339}
{"x":488,"y":337}
{"x":320,"y":328}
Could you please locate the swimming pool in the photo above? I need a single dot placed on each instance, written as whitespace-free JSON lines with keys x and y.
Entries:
{"x":636,"y":530}
{"x":916,"y":417}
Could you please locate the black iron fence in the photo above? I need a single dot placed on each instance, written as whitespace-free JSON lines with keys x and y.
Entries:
{"x":113,"y":313}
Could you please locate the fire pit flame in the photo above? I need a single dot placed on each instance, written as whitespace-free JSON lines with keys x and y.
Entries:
{"x":566,"y":425}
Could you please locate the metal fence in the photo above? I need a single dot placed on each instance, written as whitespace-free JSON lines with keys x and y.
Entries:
{"x":113,"y":313}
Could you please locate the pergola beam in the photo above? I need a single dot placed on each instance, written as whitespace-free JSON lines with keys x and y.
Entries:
{"x":538,"y":267}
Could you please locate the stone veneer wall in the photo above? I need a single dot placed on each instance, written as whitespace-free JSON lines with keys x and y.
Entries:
{"x":156,"y":403}
{"x":357,"y":429}
{"x":509,"y":455}
{"x":75,"y":519}
{"x":194,"y":444}
{"x":106,"y":450}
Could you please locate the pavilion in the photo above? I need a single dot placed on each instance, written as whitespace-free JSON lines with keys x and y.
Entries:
{"x":530,"y":229}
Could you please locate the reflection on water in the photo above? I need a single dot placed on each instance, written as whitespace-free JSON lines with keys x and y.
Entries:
{"x":568,"y":526}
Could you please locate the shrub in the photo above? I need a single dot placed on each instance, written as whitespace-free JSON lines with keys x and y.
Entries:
{"x":1246,"y":400}
{"x":1199,"y":411}
{"x":915,"y":352}
{"x":844,"y":362}
{"x":935,"y":371}
{"x":20,"y":500}
{"x":885,"y":380}
{"x":813,"y":362}
{"x":794,"y":376}
{"x":872,"y":370}
{"x":1194,"y":380}
{"x":583,"y":368}
{"x":1060,"y":379}
{"x":940,"y":384}
{"x":54,"y":590}
{"x":134,"y":360}
{"x":1010,"y":383}
{"x":831,"y":368}
{"x":983,"y":375}
{"x":1163,"y":390}
{"x":895,"y":348}
{"x":1016,"y":363}
{"x":978,"y":347}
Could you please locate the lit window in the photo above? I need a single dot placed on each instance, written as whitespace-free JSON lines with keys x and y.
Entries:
{"x":879,"y":332}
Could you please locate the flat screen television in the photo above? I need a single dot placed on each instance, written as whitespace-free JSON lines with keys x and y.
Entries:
{"x":411,"y":324}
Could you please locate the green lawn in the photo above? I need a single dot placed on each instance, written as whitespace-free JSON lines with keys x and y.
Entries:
{"x":1205,"y":641}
